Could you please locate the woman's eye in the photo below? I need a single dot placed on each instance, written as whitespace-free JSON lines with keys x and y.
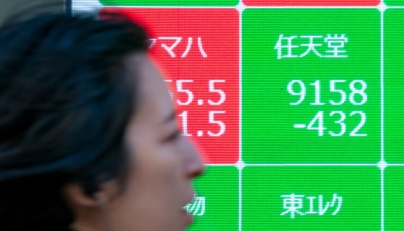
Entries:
{"x":173,"y":136}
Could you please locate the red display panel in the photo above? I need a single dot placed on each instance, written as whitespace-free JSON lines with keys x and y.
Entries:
{"x":198,"y":52}
{"x":311,"y":2}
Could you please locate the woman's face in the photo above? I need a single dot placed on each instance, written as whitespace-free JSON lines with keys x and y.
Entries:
{"x":163,"y":164}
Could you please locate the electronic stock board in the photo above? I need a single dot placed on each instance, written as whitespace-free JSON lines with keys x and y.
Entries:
{"x":298,"y":107}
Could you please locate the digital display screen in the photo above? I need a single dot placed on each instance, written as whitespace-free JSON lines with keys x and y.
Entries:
{"x":297,"y":107}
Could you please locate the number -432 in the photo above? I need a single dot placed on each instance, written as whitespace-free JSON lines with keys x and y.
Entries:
{"x":317,"y":123}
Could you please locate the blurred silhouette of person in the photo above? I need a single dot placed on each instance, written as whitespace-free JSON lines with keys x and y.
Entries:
{"x":88,"y":136}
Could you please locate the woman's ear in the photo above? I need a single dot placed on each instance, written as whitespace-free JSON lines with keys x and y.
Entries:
{"x":90,"y":210}
{"x":76,"y":196}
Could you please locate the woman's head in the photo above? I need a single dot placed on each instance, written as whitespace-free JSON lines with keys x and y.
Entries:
{"x":85,"y":118}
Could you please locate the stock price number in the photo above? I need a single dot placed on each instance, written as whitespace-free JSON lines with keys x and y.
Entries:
{"x":187,"y":98}
{"x":355,"y":96}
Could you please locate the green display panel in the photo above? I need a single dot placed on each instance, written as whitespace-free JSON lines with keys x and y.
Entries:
{"x":394,"y":198}
{"x":311,"y":198}
{"x":216,"y":205}
{"x":311,"y":86}
{"x":169,"y":2}
{"x":394,"y":85}
{"x":394,"y":2}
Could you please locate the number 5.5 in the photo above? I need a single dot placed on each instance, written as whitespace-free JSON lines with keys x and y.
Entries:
{"x":181,"y":90}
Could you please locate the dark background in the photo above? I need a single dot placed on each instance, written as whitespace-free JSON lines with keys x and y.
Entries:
{"x":12,"y":7}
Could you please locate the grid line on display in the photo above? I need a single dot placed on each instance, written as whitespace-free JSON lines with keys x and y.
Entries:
{"x":84,"y":5}
{"x":92,"y":8}
{"x":382,"y":9}
{"x":240,"y":168}
{"x":300,"y":165}
{"x":240,"y":199}
{"x":382,"y":199}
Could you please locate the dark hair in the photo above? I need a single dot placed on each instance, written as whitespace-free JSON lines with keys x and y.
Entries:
{"x":65,"y":101}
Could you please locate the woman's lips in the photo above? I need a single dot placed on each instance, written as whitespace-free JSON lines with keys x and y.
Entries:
{"x":187,"y":218}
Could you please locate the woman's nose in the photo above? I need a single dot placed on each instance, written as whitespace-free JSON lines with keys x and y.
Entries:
{"x":194,"y":163}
